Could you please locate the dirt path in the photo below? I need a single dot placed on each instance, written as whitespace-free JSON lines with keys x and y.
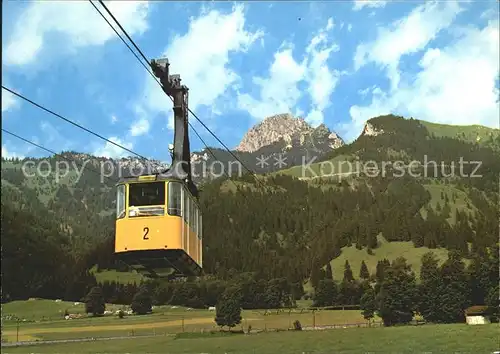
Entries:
{"x":120,"y":327}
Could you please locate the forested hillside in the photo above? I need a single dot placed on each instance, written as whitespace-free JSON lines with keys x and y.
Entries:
{"x":283,"y":230}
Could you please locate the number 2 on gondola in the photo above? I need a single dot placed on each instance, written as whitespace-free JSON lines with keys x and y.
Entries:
{"x":146,"y":231}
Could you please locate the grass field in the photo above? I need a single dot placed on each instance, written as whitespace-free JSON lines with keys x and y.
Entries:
{"x":470,"y":133}
{"x":181,"y":330}
{"x":43,"y":320}
{"x":460,"y":203}
{"x":389,"y":250}
{"x":458,"y":338}
{"x":339,"y":164}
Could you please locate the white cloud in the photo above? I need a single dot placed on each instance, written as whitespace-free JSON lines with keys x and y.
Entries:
{"x":279,"y":92}
{"x":49,"y":131}
{"x":112,"y":151}
{"x":455,"y":85}
{"x":9,"y":101}
{"x":79,"y":22}
{"x":406,"y":36}
{"x":321,"y":79}
{"x":114,"y":119}
{"x":140,"y":127}
{"x":201,"y":57}
{"x":359,"y":4}
{"x":6,"y":154}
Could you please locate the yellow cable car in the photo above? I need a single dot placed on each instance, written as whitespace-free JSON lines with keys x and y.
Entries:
{"x":158,"y":220}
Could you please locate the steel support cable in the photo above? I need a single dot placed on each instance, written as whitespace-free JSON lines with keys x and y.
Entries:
{"x":56,"y":154}
{"x":155,"y":78}
{"x":159,"y":83}
{"x":161,"y":86}
{"x":119,"y":36}
{"x":123,"y":30}
{"x":210,"y":151}
{"x":72,"y":122}
{"x":189,"y":110}
{"x":139,"y":60}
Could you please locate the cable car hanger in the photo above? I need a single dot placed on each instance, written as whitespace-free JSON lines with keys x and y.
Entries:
{"x":181,"y":155}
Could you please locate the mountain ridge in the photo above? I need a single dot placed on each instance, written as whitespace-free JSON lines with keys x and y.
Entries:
{"x":277,"y":139}
{"x":281,"y":226}
{"x":87,"y":192}
{"x":292,"y":130}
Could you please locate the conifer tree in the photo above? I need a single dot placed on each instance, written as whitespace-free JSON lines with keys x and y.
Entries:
{"x":315,"y":274}
{"x":329,"y":272}
{"x":397,"y":295}
{"x":94,"y":301}
{"x":326,"y":293}
{"x":381,"y":268}
{"x":363,"y":272}
{"x":228,"y":310}
{"x":455,"y":293}
{"x":368,"y":304}
{"x":478,"y":280}
{"x":493,"y":303}
{"x":272,"y":295}
{"x":430,"y":288}
{"x":347,"y":272}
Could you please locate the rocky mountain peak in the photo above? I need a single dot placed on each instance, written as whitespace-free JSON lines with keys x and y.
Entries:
{"x":285,"y":127}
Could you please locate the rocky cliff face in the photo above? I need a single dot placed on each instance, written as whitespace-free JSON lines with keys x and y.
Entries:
{"x":291,"y":132}
{"x":370,"y":130}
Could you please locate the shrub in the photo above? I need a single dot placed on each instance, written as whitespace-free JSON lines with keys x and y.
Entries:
{"x":297,"y":326}
{"x":94,"y":301}
{"x":142,"y":302}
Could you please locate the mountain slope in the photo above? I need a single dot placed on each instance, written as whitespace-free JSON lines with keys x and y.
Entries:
{"x":286,"y":227}
{"x":479,"y":134}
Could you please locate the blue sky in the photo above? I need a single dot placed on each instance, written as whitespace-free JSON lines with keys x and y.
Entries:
{"x":334,"y":62}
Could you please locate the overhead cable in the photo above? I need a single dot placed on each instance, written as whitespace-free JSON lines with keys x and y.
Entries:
{"x":159,"y":83}
{"x":72,"y":122}
{"x":56,"y":154}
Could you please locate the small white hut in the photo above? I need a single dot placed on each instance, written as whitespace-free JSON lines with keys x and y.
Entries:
{"x":476,"y":315}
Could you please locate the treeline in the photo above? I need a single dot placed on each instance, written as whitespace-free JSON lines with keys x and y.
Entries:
{"x":441,"y":295}
{"x":278,"y":228}
{"x":36,"y":257}
{"x":253,"y":292}
{"x":288,"y":230}
{"x":411,"y":140}
{"x":80,"y":204}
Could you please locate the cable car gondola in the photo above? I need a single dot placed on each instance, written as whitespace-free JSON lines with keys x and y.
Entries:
{"x":158,"y":221}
